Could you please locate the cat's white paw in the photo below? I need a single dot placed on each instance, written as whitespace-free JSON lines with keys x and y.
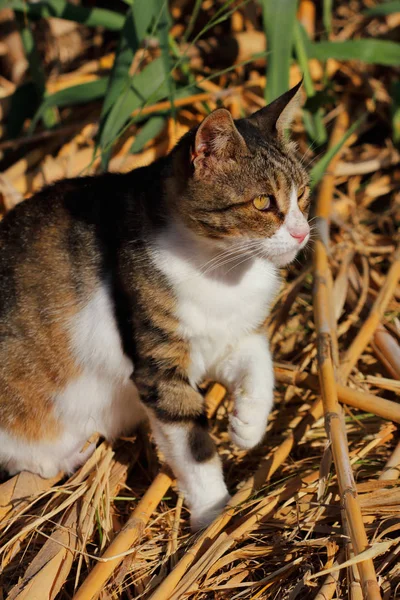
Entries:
{"x":245,"y":434}
{"x":202,"y":516}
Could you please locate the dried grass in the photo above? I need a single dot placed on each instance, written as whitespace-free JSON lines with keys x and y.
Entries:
{"x":315,"y":510}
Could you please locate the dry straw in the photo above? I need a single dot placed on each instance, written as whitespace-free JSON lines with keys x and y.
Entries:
{"x":92,"y":530}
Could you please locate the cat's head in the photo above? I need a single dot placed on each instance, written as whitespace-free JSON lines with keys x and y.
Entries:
{"x":242,"y":184}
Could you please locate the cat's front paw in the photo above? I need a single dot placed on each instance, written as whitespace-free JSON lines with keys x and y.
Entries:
{"x":246,"y":434}
{"x":202,"y":516}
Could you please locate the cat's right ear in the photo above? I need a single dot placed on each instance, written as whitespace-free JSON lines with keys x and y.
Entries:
{"x":216,"y":140}
{"x":275,"y":118}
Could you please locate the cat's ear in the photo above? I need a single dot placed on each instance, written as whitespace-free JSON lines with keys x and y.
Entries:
{"x":278,"y":115}
{"x":216,"y":140}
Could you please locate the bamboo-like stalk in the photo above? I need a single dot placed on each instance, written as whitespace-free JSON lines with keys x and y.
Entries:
{"x":129,"y":534}
{"x":369,"y":327}
{"x":387,"y":349}
{"x":329,"y":586}
{"x":381,"y":407}
{"x":392,"y":467}
{"x":326,"y":347}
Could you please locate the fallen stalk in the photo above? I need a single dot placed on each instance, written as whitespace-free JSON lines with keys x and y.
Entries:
{"x":381,"y":407}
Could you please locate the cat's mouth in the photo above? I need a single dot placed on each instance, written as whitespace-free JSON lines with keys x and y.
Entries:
{"x":284,"y":258}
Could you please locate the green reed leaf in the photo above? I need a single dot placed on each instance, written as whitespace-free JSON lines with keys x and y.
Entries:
{"x":327,"y":15}
{"x":49,"y":115}
{"x":151,"y":129}
{"x":149,"y":83}
{"x":376,"y":52}
{"x":163,"y":27}
{"x":136,"y":25}
{"x":313,"y":119}
{"x":75,"y":94}
{"x":318,"y":170}
{"x":279,"y":20}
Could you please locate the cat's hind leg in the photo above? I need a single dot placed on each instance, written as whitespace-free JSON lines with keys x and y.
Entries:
{"x":46,"y":458}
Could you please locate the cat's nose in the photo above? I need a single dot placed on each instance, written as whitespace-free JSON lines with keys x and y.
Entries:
{"x":299,"y":233}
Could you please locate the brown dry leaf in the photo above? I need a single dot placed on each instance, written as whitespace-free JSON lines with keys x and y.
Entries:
{"x":19,"y":491}
{"x":48,"y":571}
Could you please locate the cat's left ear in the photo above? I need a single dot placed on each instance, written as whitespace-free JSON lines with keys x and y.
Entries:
{"x":217,"y":140}
{"x":278,"y":115}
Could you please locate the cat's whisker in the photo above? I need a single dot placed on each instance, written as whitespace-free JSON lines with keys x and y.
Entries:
{"x":222,"y":259}
{"x":249,"y":257}
{"x":308,"y":150}
{"x":312,"y":161}
{"x":227,"y":256}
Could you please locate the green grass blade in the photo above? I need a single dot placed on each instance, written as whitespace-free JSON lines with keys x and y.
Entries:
{"x":75,"y":94}
{"x":91,"y":17}
{"x":149,"y":131}
{"x":318,"y":170}
{"x":137,"y":23}
{"x":301,"y":47}
{"x":313,"y":119}
{"x":387,"y":8}
{"x":279,"y":21}
{"x":23,"y":106}
{"x":376,"y":52}
{"x":193,"y":19}
{"x":327,"y":15}
{"x":163,"y":28}
{"x":49,"y":114}
{"x":149,"y":83}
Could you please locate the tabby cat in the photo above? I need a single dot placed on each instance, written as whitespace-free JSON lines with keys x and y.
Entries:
{"x":121,"y":293}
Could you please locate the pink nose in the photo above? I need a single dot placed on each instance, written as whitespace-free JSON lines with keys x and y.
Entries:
{"x":299,"y":235}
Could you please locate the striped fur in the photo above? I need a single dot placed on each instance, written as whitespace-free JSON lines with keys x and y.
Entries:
{"x":120,"y":294}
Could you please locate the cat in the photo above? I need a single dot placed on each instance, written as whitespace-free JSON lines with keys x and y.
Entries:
{"x":121,"y":293}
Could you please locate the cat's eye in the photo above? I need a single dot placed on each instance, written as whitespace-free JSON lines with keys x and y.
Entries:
{"x":262,"y":202}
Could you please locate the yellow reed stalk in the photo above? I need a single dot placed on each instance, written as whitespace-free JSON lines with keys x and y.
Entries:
{"x":387,"y":349}
{"x":376,"y":405}
{"x":190,"y":100}
{"x":327,"y":352}
{"x":329,"y":586}
{"x":392,"y":467}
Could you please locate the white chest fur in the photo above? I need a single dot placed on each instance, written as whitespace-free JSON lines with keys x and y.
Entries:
{"x":215,"y":309}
